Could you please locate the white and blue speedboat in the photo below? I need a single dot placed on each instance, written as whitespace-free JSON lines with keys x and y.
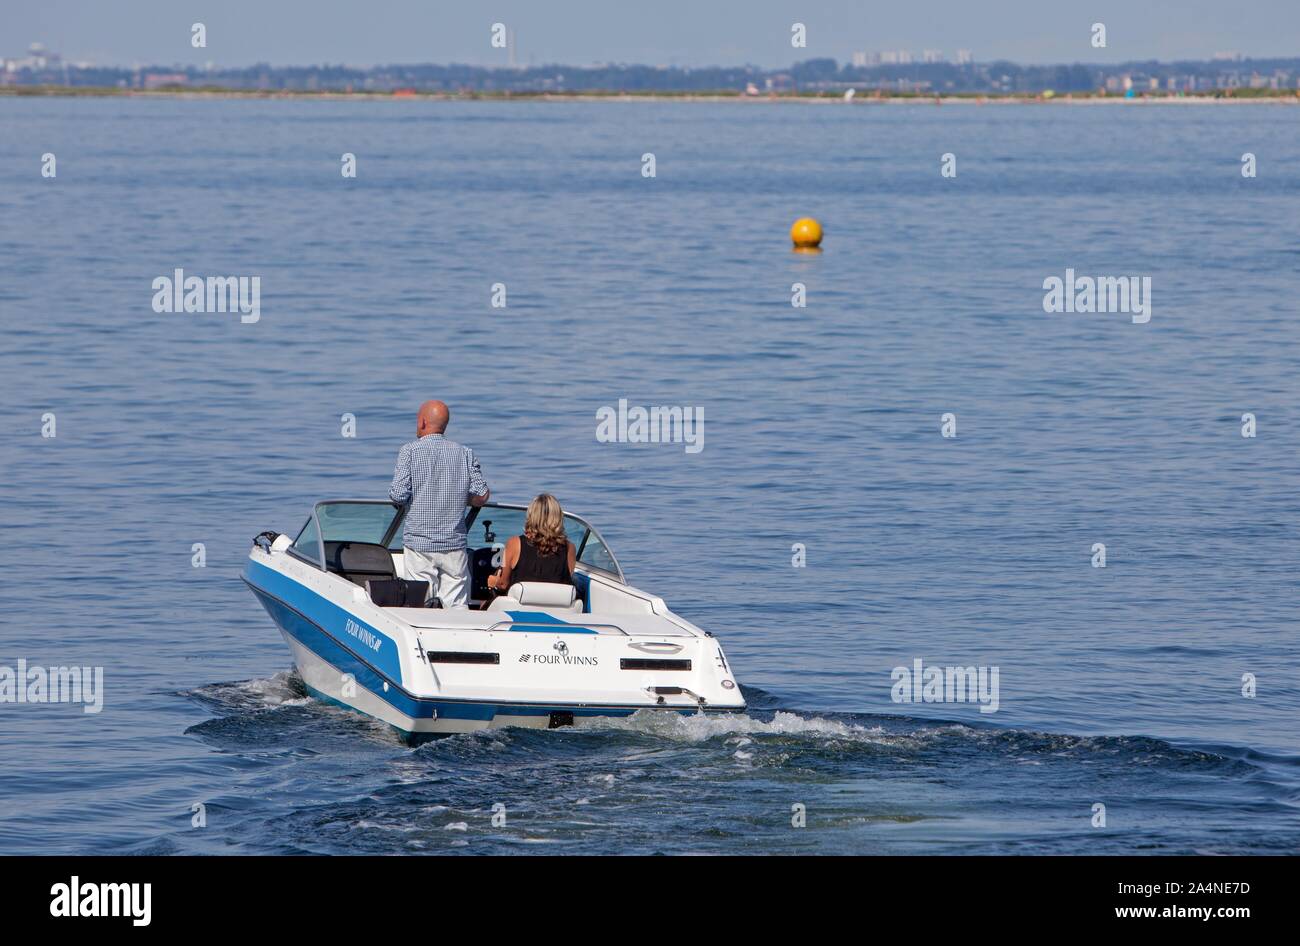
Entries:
{"x":542,"y":656}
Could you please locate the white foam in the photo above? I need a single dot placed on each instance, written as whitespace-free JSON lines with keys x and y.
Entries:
{"x":365,"y":825}
{"x":281,"y":689}
{"x":699,"y":728}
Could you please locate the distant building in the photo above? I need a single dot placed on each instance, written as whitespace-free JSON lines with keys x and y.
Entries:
{"x":932,"y":55}
{"x":964,"y":57}
{"x":157,"y":80}
{"x":37,"y":59}
{"x":40,"y":57}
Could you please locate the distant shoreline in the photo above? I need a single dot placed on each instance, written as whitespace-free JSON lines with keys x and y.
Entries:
{"x":871,"y":97}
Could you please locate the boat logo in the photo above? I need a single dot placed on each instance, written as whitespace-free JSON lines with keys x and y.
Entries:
{"x":363,"y":634}
{"x":561,"y":656}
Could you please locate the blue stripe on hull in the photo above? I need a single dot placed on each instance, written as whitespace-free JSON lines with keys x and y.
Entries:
{"x":310,"y":635}
{"x":325,"y":614}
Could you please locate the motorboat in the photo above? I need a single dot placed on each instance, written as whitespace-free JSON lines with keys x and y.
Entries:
{"x":543,"y":656}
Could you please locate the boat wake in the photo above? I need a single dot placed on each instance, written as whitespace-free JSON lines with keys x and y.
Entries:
{"x":700,"y":728}
{"x":282,"y":689}
{"x":660,"y":782}
{"x":279,"y":710}
{"x":283,"y":694}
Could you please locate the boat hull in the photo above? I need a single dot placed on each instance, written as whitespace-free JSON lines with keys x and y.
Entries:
{"x":334,"y":672}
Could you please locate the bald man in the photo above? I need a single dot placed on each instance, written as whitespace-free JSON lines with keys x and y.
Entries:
{"x":438,"y":478}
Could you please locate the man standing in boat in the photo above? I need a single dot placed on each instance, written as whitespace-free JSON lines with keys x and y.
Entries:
{"x":438,"y":478}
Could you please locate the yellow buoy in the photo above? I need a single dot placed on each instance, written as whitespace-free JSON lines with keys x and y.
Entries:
{"x":806,"y":232}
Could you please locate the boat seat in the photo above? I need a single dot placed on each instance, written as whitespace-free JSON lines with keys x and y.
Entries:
{"x":359,"y":562}
{"x":548,"y":596}
{"x":401,"y":593}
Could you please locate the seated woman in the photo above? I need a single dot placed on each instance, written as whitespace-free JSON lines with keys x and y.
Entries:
{"x":542,"y":553}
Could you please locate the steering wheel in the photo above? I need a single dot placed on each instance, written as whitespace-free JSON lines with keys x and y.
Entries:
{"x":480,"y":568}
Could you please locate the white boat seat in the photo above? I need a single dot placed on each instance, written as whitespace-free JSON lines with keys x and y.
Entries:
{"x":549,"y":596}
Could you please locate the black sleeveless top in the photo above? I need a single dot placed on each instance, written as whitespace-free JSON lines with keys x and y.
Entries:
{"x":534,"y":566}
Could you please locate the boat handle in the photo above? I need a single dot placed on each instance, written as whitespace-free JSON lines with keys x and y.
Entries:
{"x":660,"y":692}
{"x":656,"y":647}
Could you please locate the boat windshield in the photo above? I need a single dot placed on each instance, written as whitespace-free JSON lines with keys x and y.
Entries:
{"x":379,"y":523}
{"x":348,"y":521}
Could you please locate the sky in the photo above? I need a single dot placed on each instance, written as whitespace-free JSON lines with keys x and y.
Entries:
{"x":653,"y":32}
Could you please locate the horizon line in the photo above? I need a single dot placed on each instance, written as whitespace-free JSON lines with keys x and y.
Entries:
{"x":1235,"y":57}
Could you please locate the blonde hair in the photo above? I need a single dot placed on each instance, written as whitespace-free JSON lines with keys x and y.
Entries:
{"x":544,"y":525}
